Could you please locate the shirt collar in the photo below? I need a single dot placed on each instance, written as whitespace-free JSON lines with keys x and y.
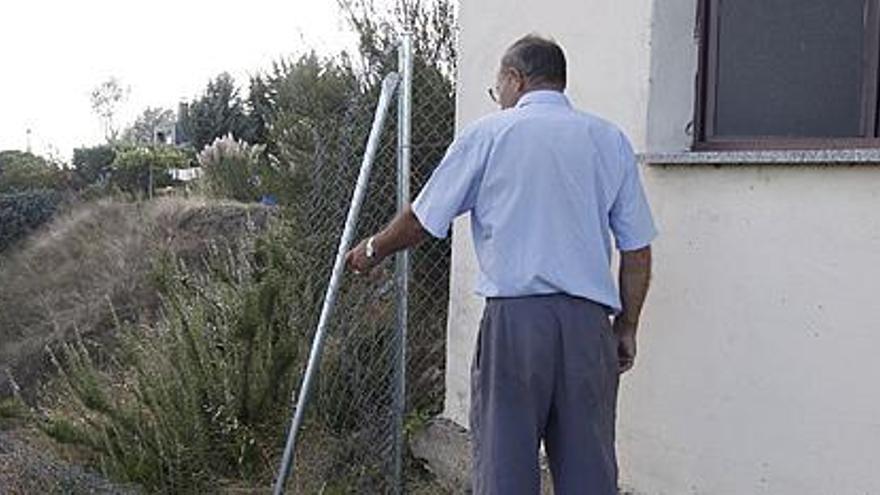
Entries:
{"x":543,"y":96}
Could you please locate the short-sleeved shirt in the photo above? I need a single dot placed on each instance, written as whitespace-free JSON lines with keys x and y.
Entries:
{"x":546,"y":186}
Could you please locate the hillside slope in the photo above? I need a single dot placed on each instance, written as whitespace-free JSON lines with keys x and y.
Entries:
{"x":92,"y":265}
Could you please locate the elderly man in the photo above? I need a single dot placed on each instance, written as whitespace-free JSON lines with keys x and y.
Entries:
{"x":546,"y":186}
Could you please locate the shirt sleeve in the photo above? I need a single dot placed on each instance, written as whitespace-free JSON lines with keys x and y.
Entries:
{"x":631,"y":221}
{"x":452,"y":188}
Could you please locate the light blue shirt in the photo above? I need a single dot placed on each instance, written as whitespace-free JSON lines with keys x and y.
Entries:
{"x":547,"y":186}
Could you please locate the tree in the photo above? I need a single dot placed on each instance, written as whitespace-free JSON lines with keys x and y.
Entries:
{"x":145,"y":127}
{"x":322,"y":107}
{"x":106,"y":98}
{"x":316,"y":107}
{"x":431,"y":23}
{"x":260,"y":106}
{"x":133,"y":169}
{"x":92,"y":163}
{"x":218,"y":112}
{"x":23,"y":171}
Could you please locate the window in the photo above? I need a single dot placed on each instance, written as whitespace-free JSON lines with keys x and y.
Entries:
{"x":788,"y":74}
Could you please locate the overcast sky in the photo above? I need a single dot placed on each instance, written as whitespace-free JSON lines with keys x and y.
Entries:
{"x":54,"y":52}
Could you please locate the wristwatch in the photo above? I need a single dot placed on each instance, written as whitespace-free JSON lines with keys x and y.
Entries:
{"x":371,"y":249}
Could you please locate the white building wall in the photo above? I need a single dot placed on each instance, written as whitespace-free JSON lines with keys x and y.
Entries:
{"x":758,"y":362}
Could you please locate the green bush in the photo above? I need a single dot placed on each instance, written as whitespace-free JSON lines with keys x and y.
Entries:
{"x":205,"y":394}
{"x":92,"y":163}
{"x":133,"y":168}
{"x":22,"y":171}
{"x":21,"y":213}
{"x":97,"y":256}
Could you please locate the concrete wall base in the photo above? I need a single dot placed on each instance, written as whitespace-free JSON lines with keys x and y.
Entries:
{"x":446,"y":449}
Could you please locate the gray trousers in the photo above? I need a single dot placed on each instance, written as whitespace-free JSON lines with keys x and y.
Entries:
{"x":545,"y":369}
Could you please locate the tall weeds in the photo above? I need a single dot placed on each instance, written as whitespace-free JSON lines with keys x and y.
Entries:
{"x":204,"y":394}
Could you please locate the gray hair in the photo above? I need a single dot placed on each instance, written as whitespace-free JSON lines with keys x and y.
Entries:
{"x":541,"y":60}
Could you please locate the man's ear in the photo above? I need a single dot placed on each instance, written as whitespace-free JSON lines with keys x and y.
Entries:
{"x":521,"y":81}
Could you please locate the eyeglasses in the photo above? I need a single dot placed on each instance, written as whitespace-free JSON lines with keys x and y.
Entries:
{"x":493,"y":95}
{"x":494,"y":92}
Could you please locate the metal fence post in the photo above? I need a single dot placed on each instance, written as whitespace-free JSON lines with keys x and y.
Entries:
{"x":389,"y":86}
{"x":404,"y":127}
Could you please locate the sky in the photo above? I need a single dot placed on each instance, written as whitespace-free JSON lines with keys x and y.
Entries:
{"x":53,"y":53}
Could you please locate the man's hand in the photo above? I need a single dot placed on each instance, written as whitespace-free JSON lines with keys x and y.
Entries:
{"x":403,"y":232}
{"x":626,"y":344}
{"x":635,"y":277}
{"x":356,"y":260}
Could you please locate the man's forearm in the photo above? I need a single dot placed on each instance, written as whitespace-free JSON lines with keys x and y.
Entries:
{"x":403,"y":232}
{"x":635,"y":277}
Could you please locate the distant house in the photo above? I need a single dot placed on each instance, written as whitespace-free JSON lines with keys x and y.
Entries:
{"x":757,"y":122}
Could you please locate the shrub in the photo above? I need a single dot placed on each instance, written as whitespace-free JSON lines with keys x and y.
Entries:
{"x":23,"y":171}
{"x":97,"y":256}
{"x":232,"y":169}
{"x":21,"y":213}
{"x":133,"y":168}
{"x":204,"y":394}
{"x":91,"y":164}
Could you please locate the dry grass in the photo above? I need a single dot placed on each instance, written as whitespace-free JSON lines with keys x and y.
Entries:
{"x":92,"y":266}
{"x":194,"y":394}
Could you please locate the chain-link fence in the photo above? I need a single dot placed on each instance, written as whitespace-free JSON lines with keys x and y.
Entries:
{"x":349,"y":441}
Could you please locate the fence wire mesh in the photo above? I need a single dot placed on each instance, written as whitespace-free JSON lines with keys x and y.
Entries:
{"x":347,"y":444}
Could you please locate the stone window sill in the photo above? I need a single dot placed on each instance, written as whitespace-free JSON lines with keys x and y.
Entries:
{"x":770,"y":157}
